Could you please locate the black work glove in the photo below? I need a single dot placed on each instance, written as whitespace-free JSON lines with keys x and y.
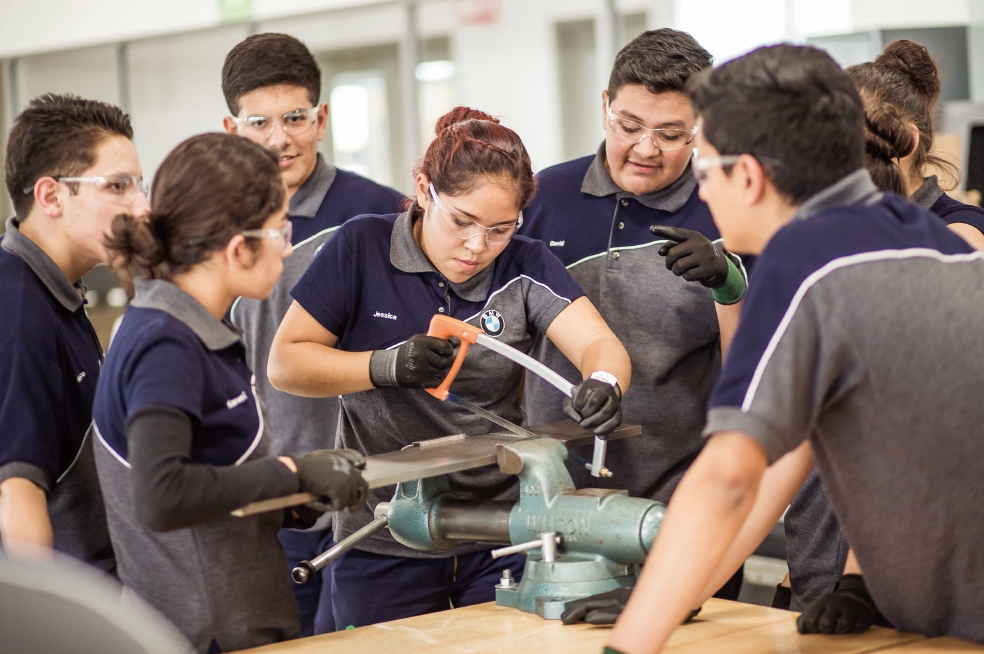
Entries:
{"x":603,"y":608}
{"x":691,"y":255}
{"x":422,"y":362}
{"x":848,"y":609}
{"x":783,"y":597}
{"x":304,"y":516}
{"x":334,"y":475}
{"x":596,"y":405}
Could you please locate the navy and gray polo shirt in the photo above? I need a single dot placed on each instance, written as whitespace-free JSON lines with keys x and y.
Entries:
{"x":327,"y":199}
{"x":668,"y":326}
{"x":859,"y":333}
{"x":816,"y":548}
{"x":222,"y":581}
{"x":931,"y":196}
{"x":373,"y":287}
{"x":49,"y":365}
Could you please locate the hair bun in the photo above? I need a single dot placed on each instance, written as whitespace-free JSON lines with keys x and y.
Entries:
{"x":885,"y":134}
{"x":915,"y":62}
{"x":460,"y":115}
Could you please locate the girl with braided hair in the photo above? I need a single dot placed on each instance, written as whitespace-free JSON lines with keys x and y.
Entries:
{"x":901,"y":90}
{"x":356,"y":329}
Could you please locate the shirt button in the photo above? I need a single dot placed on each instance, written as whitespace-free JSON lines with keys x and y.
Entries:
{"x":615,"y":255}
{"x":625,"y":202}
{"x":441,"y":284}
{"x":621,"y":225}
{"x":440,"y":309}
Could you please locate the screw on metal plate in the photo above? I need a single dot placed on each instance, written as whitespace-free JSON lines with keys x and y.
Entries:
{"x":507,"y":580}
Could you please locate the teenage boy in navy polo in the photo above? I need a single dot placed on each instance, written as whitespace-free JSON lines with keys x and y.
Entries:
{"x":595,"y":213}
{"x":272,"y":85}
{"x":70,"y":168}
{"x":851,"y":354}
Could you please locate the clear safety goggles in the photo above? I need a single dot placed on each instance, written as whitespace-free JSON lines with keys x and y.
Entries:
{"x":283,"y":235}
{"x":294,"y":123}
{"x":630,"y":131}
{"x":467,"y":229}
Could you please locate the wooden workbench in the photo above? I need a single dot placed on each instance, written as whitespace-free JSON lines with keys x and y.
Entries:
{"x":722,"y":626}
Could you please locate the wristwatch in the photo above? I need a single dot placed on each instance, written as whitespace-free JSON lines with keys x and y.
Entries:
{"x":608,"y":378}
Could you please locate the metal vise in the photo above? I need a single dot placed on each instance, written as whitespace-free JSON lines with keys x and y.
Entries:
{"x":578,"y":542}
{"x":600,"y":536}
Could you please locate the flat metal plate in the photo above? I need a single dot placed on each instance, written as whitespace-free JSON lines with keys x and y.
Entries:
{"x":445,"y":455}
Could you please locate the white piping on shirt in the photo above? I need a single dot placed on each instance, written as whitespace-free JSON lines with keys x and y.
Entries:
{"x":817,"y":275}
{"x":106,"y":445}
{"x":259,"y":432}
{"x":638,"y":247}
{"x":507,"y":285}
{"x":77,"y":454}
{"x":501,"y":289}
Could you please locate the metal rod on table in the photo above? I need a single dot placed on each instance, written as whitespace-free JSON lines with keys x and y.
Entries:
{"x":307,"y":569}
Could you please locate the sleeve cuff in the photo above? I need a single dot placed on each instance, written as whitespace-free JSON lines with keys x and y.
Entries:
{"x":26,"y":471}
{"x":382,"y":367}
{"x":727,"y":418}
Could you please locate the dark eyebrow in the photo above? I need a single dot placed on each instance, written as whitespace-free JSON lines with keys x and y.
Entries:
{"x":475,"y":218}
{"x":670,"y":124}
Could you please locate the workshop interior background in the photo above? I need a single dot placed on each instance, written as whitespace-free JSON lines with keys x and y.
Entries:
{"x":390,"y":68}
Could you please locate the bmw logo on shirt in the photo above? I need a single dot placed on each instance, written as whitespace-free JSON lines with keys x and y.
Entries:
{"x":492,"y":322}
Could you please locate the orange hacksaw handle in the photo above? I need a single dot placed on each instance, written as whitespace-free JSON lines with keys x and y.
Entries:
{"x":444,"y":327}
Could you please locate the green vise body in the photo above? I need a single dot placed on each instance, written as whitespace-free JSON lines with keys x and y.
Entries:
{"x":578,"y":542}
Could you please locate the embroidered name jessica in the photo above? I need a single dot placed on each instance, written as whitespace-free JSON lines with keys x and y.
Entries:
{"x":380,"y":314}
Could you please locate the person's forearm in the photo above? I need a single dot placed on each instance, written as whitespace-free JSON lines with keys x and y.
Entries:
{"x":851,"y":565}
{"x":779,"y":485}
{"x":608,"y":354}
{"x":728,"y":315}
{"x":25,"y":527}
{"x":706,"y":512}
{"x":316,"y":370}
{"x":171,"y":492}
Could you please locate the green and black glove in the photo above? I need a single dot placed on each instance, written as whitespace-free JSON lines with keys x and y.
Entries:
{"x":335,"y":475}
{"x":421,"y":362}
{"x":692,"y":256}
{"x":848,"y":609}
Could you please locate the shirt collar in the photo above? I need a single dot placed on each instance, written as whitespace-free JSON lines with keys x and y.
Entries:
{"x":167,"y":297}
{"x":599,"y":183}
{"x":406,"y":255}
{"x":856,"y":188}
{"x":71,"y":296}
{"x":307,"y":200}
{"x":927,"y":194}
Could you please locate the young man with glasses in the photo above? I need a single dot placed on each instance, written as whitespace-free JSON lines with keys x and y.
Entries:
{"x":272,"y":85}
{"x":71,"y":168}
{"x":629,"y":226}
{"x":852,"y":355}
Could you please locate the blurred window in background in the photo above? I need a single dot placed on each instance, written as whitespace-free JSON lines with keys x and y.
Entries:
{"x":580,"y":88}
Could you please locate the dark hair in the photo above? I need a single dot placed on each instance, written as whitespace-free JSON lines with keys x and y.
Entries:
{"x":471,"y":144}
{"x":209,"y":188}
{"x":792,"y":107}
{"x":661,"y":60}
{"x":57,"y":136}
{"x":901,"y":86}
{"x":269,"y":59}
